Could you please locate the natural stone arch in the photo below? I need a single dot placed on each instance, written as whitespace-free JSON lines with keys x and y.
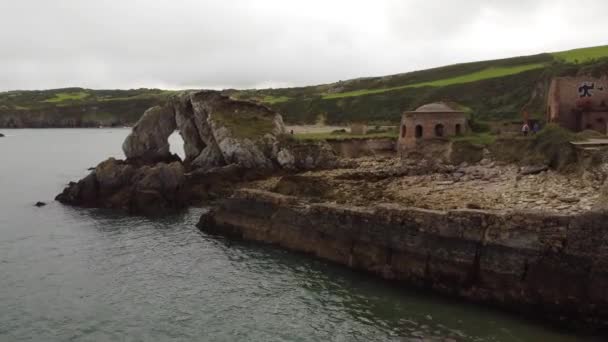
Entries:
{"x":186,"y":125}
{"x":148,"y":140}
{"x":216,"y":131}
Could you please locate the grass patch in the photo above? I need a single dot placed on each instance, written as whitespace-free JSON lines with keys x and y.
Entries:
{"x":275,"y":99}
{"x":480,"y":139}
{"x":492,"y":72}
{"x":246,"y":125}
{"x":161,"y":94}
{"x":551,"y":146}
{"x":343,"y":136}
{"x":73,"y":96}
{"x":578,"y":56}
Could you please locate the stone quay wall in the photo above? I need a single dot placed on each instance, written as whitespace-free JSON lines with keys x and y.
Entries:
{"x":554,"y":267}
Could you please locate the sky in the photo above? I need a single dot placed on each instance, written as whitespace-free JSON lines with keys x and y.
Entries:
{"x":178,"y":44}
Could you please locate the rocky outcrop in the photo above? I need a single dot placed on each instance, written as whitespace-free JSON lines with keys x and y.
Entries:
{"x":147,"y":189}
{"x":219,"y":131}
{"x":602,"y":203}
{"x":292,"y":154}
{"x":148,"y":139}
{"x":225,"y":141}
{"x":547,"y":265}
{"x":533,"y":169}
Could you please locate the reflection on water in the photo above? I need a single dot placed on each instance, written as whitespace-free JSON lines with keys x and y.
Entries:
{"x":91,"y":275}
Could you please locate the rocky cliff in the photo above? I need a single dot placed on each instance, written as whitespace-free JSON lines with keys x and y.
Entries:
{"x":225,"y":140}
{"x":72,"y":115}
{"x":548,"y":265}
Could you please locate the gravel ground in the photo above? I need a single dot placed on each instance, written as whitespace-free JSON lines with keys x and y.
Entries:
{"x":486,"y":185}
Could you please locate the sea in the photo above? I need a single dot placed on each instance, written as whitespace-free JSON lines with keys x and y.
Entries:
{"x":74,"y":274}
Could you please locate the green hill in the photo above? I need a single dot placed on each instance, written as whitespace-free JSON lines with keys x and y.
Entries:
{"x":76,"y":107}
{"x":489,"y":90}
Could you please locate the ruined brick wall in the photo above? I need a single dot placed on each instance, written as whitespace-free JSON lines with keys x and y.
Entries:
{"x":548,"y":265}
{"x":568,"y":95}
{"x":415,"y":127}
{"x":597,"y":121}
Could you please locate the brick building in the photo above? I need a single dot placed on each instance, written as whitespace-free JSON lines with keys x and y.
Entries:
{"x":431,"y":121}
{"x":579,"y":103}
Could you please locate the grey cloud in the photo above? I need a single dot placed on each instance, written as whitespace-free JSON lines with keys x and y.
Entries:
{"x":239,"y":43}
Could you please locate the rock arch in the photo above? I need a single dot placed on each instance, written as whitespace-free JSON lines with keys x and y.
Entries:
{"x":224,"y":139}
{"x":216,"y":131}
{"x":148,"y":138}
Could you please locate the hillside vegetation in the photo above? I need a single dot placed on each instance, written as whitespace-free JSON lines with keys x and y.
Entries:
{"x":488,"y":90}
{"x":582,"y":55}
{"x":76,"y":107}
{"x":491,"y":72}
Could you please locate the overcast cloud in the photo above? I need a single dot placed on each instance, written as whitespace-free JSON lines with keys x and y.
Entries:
{"x":271,"y":43}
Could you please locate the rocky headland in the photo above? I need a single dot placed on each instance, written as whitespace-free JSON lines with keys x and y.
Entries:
{"x":226,"y":142}
{"x":527,"y":238}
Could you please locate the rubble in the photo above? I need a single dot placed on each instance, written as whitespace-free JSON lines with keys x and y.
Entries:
{"x":485,"y":185}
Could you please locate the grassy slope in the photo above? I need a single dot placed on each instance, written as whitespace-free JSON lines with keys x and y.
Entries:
{"x":582,"y":55}
{"x":491,"y":90}
{"x":76,"y":107}
{"x":491,"y":72}
{"x":496,"y":89}
{"x":67,"y":96}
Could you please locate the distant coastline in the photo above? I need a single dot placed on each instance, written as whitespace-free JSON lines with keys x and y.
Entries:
{"x":492,"y":90}
{"x":76,"y":107}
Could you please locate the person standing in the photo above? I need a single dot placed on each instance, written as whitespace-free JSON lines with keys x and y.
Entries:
{"x":535,"y":128}
{"x":525,"y":129}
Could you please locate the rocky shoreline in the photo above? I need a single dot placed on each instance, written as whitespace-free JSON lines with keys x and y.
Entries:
{"x":222,"y":150}
{"x":552,"y":266}
{"x":528,"y":239}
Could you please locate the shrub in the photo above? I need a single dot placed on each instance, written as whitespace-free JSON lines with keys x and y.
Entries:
{"x":376,"y":130}
{"x":478,"y":126}
{"x":552,"y":143}
{"x":480,"y":139}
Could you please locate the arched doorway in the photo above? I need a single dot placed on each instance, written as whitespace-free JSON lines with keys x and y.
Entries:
{"x":458,"y":129}
{"x":403,"y":131}
{"x":418,"y":131}
{"x":439,"y":130}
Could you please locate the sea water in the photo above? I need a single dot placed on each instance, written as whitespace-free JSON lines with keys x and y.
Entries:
{"x":97,"y":275}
